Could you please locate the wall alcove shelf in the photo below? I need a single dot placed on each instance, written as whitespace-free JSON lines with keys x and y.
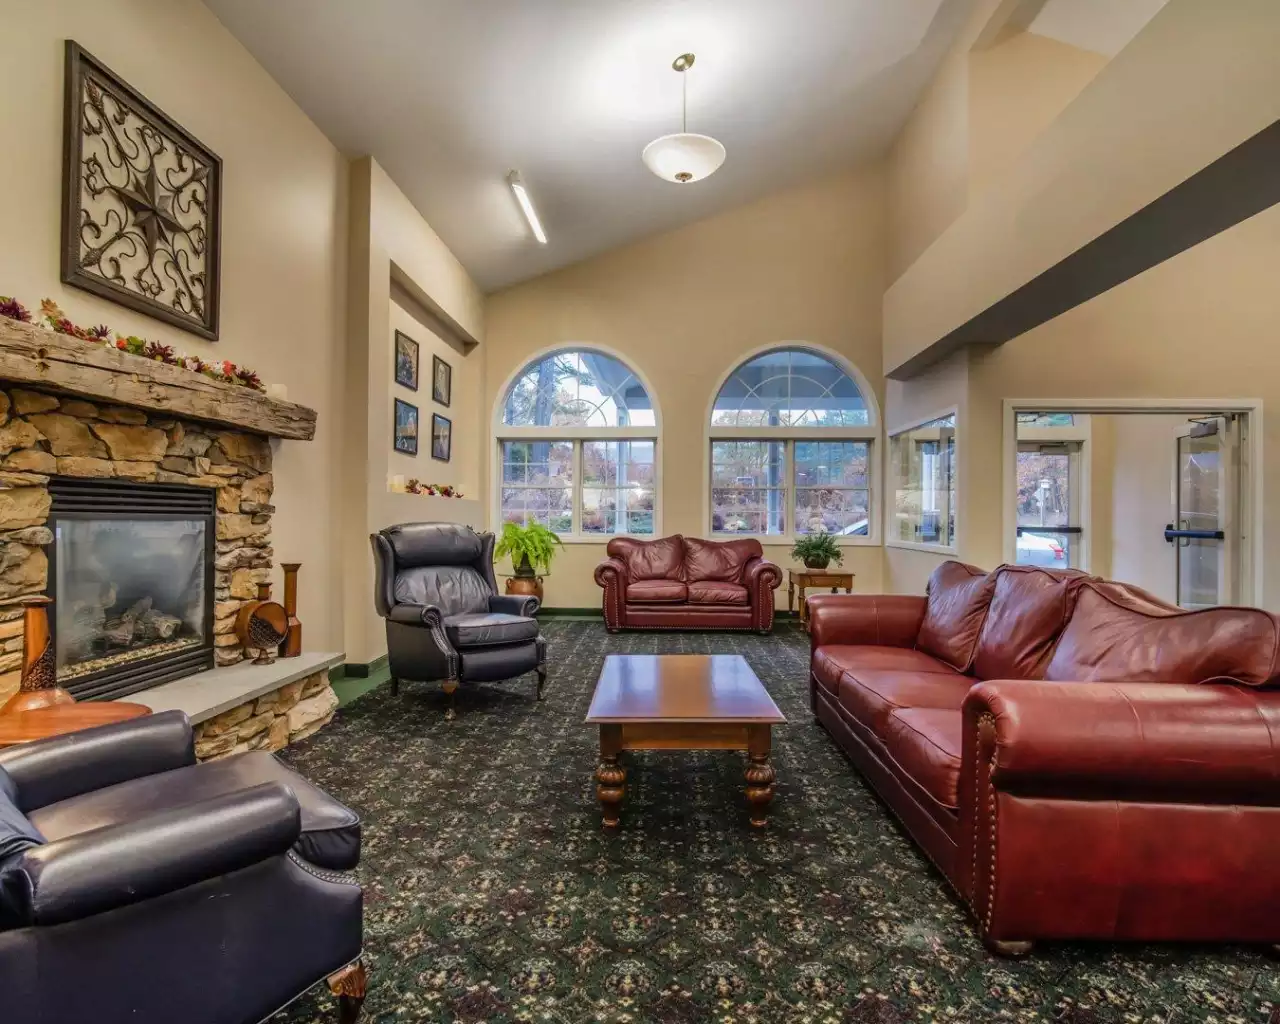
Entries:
{"x":39,"y":358}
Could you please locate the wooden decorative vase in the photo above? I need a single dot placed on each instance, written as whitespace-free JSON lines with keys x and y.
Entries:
{"x":261,"y":625}
{"x":39,"y":687}
{"x":291,"y":647}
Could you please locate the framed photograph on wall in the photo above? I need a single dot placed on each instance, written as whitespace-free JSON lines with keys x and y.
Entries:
{"x":406,"y":361}
{"x":441,"y":437}
{"x":406,"y":433}
{"x":441,"y":380}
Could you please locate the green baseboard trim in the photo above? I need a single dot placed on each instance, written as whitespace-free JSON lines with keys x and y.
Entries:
{"x":573,"y":613}
{"x":357,"y":669}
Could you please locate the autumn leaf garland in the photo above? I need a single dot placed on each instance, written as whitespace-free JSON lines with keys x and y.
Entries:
{"x":52,"y":318}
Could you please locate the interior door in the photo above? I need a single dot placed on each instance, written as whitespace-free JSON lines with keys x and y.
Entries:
{"x":1206,"y":534}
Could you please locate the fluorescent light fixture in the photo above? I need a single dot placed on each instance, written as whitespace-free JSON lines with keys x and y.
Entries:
{"x":526,"y":204}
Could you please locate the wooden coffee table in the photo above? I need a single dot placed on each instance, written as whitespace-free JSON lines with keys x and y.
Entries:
{"x":682,"y":702}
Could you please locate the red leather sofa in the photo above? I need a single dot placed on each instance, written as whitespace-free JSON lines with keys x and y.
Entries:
{"x":686,"y":583}
{"x":1080,"y":759}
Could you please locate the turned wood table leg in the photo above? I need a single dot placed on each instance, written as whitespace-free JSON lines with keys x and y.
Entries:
{"x":349,"y":985}
{"x":760,"y":775}
{"x":450,"y":687}
{"x":611,"y":777}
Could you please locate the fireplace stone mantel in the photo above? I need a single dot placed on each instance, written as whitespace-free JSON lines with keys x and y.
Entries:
{"x":34,"y":357}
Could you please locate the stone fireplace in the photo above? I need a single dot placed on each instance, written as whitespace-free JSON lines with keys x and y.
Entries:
{"x":137,"y":495}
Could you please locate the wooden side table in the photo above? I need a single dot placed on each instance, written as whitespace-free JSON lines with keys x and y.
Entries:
{"x":803,"y":579}
{"x":59,"y":719}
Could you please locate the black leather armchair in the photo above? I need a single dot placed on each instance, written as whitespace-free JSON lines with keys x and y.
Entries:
{"x":446,"y":621}
{"x":137,"y":885}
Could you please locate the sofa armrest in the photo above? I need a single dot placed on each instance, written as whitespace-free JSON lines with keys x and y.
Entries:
{"x":415,"y":614}
{"x":612,"y":570}
{"x":118,"y":865}
{"x":759,"y":575}
{"x":611,"y":575}
{"x":1144,"y":740}
{"x":61,"y":767}
{"x":868,"y":619}
{"x":515,"y":604}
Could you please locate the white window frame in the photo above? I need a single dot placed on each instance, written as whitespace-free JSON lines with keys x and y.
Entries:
{"x":891,"y":541}
{"x":501,"y":432}
{"x":868,"y":434}
{"x":1078,"y":439}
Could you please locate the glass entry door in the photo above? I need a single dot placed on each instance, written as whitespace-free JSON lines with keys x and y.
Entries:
{"x":1205,"y":534}
{"x":1049,"y":498}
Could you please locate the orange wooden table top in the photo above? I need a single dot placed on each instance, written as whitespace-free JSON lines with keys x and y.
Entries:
{"x":680,"y":688}
{"x":58,"y":719}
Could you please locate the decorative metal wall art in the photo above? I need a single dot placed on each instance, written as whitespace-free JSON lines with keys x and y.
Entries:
{"x":141,"y":202}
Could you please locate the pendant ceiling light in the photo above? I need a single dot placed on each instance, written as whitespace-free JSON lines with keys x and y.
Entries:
{"x":683,"y":157}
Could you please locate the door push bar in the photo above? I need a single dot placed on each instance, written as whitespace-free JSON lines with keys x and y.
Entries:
{"x":1172,"y":535}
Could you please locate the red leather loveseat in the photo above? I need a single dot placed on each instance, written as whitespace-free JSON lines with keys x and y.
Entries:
{"x":685,"y":583}
{"x":1081,"y":760}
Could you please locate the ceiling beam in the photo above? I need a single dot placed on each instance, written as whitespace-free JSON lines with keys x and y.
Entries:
{"x":1009,"y":16}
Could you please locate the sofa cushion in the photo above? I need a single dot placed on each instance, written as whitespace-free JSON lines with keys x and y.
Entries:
{"x":1122,"y":634}
{"x":958,"y":597}
{"x":718,"y":560}
{"x":484,"y":629}
{"x":650,"y":559}
{"x":925,"y":743}
{"x":1029,"y":609}
{"x":657,"y":592}
{"x":454,"y":589}
{"x":330,"y":831}
{"x":17,"y":833}
{"x":872,"y":696}
{"x":714,"y":592}
{"x":831,"y":661}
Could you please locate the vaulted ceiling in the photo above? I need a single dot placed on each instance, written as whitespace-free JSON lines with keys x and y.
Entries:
{"x":449,"y":95}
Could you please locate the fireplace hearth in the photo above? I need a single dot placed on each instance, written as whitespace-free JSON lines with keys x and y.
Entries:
{"x":131,"y":573}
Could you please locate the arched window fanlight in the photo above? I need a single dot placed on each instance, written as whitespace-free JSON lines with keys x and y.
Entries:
{"x":577,"y":389}
{"x":790,"y":387}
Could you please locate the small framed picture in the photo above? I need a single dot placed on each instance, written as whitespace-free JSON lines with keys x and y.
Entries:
{"x":441,"y":380}
{"x":406,"y":361}
{"x":406,"y":437}
{"x":441,"y":437}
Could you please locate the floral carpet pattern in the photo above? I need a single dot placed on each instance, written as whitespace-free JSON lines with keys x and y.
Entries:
{"x":493,"y":895}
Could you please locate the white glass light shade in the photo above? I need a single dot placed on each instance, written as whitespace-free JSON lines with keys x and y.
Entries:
{"x":683,"y":157}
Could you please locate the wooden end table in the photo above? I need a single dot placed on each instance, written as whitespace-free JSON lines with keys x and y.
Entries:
{"x":803,"y":579}
{"x":682,"y":702}
{"x":59,"y":719}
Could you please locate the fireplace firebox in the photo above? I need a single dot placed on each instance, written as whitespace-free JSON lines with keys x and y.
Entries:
{"x":131,"y":574}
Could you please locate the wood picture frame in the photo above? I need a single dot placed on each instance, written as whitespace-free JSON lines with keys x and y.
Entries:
{"x":405,"y":428}
{"x":141,"y":201}
{"x":441,"y":437}
{"x":406,"y":360}
{"x":441,"y":381}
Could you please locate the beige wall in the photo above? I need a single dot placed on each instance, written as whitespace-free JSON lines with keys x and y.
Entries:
{"x":283,"y":231}
{"x":685,"y":307}
{"x":395,"y":252}
{"x":1197,"y":81}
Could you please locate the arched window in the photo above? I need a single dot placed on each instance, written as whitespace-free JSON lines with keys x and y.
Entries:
{"x":792,"y":438}
{"x":578,"y":447}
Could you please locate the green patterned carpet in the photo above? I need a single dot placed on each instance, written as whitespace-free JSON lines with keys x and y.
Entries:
{"x":491,"y":893}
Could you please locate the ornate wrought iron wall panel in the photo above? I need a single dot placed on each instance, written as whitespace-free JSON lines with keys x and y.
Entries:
{"x":141,"y":202}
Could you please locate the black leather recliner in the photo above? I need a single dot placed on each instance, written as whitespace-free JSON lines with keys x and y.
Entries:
{"x":445,"y":619}
{"x":138,"y":886}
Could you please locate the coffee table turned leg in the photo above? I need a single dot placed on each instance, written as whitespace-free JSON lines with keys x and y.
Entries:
{"x":760,"y":776}
{"x":611,"y":777}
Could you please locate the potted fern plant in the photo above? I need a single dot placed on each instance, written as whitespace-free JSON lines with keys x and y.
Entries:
{"x":817,"y":550}
{"x":531,"y":549}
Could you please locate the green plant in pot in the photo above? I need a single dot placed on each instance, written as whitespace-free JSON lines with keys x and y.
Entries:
{"x":817,"y":550}
{"x":531,"y":549}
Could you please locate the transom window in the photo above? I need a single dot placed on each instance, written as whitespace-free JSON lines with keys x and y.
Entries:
{"x":792,"y":436}
{"x":578,"y":448}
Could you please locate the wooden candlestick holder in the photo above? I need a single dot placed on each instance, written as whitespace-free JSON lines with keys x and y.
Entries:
{"x":291,"y":646}
{"x":39,"y":687}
